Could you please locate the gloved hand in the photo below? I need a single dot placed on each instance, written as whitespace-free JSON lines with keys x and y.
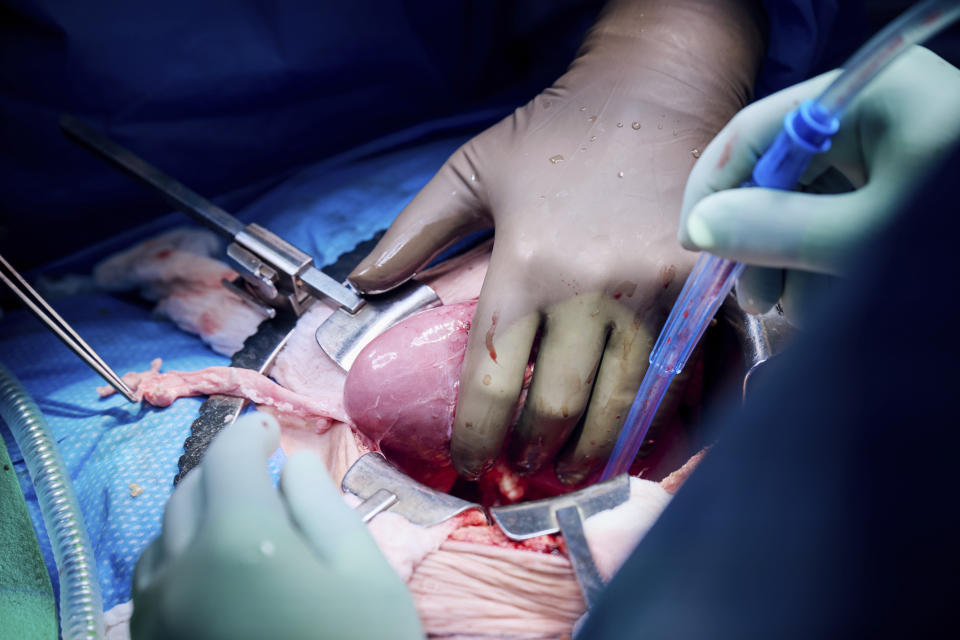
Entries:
{"x":890,"y":137}
{"x":583,"y":187}
{"x":238,"y":560}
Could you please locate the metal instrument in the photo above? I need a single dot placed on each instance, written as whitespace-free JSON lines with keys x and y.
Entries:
{"x":278,"y":279}
{"x":46,"y":314}
{"x":276,"y":272}
{"x":566,"y":514}
{"x":761,"y":338}
{"x":343,"y":335}
{"x":217,"y":411}
{"x":382,"y":486}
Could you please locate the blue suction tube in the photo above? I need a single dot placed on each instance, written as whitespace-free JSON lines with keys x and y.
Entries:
{"x":81,"y":608}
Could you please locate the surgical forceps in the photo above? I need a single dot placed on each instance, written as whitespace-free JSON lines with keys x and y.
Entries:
{"x":40,"y":308}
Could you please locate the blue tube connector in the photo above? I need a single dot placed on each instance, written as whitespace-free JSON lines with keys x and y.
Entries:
{"x":807,"y":131}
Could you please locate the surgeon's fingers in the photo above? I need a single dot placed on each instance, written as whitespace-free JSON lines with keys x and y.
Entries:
{"x":235,"y":476}
{"x":232,"y":461}
{"x":621,"y":371}
{"x":183,"y":513}
{"x":491,"y":378}
{"x":149,"y":567}
{"x":759,"y":288}
{"x":181,"y":520}
{"x":450,"y":206}
{"x":574,"y":333}
{"x":730,"y":157}
{"x":334,"y":532}
{"x":809,"y":232}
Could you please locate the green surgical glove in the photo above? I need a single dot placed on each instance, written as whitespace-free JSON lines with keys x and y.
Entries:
{"x":236,"y":559}
{"x":891,"y":136}
{"x":583,"y":186}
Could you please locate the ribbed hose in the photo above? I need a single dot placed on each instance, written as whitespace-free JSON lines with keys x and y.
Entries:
{"x":81,"y":609}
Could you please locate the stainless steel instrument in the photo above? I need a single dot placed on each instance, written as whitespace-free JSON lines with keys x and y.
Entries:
{"x":382,"y":486}
{"x":48,"y":316}
{"x":278,"y":279}
{"x":761,"y":338}
{"x":566,"y":514}
{"x":343,"y":335}
{"x":277,"y":272}
{"x":216,"y":412}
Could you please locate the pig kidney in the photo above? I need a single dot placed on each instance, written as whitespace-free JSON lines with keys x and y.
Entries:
{"x":402,"y":390}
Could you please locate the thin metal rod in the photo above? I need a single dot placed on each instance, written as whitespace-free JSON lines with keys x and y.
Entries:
{"x":175,"y":192}
{"x":46,"y":314}
{"x":376,"y":504}
{"x":264,"y":245}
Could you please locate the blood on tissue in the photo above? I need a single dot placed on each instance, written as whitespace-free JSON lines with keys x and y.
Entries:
{"x":209,"y":324}
{"x":474,"y":528}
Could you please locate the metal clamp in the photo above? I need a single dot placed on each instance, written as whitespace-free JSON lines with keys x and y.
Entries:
{"x":280,"y":274}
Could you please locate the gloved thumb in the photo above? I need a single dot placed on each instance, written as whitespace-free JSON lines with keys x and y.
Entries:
{"x":773,"y":228}
{"x":235,"y":475}
{"x":332,"y":529}
{"x":449,"y":207}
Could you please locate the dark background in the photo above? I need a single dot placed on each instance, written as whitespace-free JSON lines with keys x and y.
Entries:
{"x":231,"y":97}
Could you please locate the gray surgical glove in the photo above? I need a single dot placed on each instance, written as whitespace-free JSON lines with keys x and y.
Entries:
{"x":236,"y":559}
{"x":891,"y":136}
{"x":583,"y":186}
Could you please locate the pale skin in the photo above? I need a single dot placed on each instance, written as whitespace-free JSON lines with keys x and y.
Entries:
{"x":583,"y":186}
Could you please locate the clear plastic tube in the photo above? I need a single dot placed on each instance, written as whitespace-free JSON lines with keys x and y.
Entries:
{"x":652,"y":389}
{"x":915,"y":25}
{"x":706,"y":287}
{"x":81,"y":608}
